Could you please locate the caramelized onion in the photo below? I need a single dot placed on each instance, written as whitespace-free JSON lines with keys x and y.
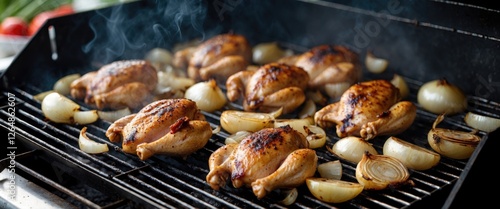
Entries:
{"x":111,"y":116}
{"x":316,"y":136}
{"x":336,"y":90}
{"x":235,"y":120}
{"x":452,"y":143}
{"x":377,"y":172}
{"x":297,"y":124}
{"x":332,"y":190}
{"x":441,"y":97}
{"x":411,"y":155}
{"x":264,"y":53}
{"x":291,"y":196}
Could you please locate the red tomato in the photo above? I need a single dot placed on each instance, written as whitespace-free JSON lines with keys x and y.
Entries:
{"x":40,"y":19}
{"x":15,"y":26}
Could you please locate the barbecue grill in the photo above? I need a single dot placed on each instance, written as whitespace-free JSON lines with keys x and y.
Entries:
{"x":420,"y":44}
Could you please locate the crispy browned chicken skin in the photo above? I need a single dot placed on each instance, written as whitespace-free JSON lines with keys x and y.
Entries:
{"x":217,"y":58}
{"x":269,"y":159}
{"x":156,"y":125}
{"x":126,"y":83}
{"x":269,"y":88}
{"x":327,"y":64}
{"x":368,"y":109}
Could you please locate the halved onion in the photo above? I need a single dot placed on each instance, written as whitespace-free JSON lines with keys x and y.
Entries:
{"x":481,"y":122}
{"x":88,"y":145}
{"x":352,"y":148}
{"x":297,"y":124}
{"x":111,"y":116}
{"x":400,"y":83}
{"x":60,"y":109}
{"x":264,"y":53}
{"x":316,"y":136}
{"x":332,"y":190}
{"x":411,"y":155}
{"x":62,"y":86}
{"x":237,"y":137}
{"x":441,"y":97}
{"x":377,"y":172}
{"x":235,"y":120}
{"x":330,"y":170}
{"x":452,"y":143}
{"x":375,"y":64}
{"x":207,"y":95}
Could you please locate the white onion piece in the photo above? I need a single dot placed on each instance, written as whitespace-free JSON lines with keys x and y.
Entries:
{"x":452,"y":143}
{"x":330,"y":170}
{"x":308,"y":109}
{"x":401,"y":84}
{"x":159,"y":56}
{"x":377,"y":172}
{"x":332,"y":190}
{"x":58,"y":108}
{"x":111,"y":116}
{"x":234,"y":120}
{"x":441,"y":97}
{"x":40,"y":96}
{"x":291,"y":196}
{"x":85,"y":117}
{"x":336,"y":90}
{"x":411,"y":155}
{"x":481,"y":122}
{"x":237,"y":137}
{"x":316,"y":136}
{"x":264,"y":53}
{"x":352,"y":148}
{"x":375,"y":64}
{"x":173,"y":81}
{"x":297,"y":124}
{"x":207,"y":95}
{"x":62,"y":86}
{"x":88,"y":145}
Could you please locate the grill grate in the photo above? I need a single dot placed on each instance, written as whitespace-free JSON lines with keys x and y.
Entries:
{"x":169,"y":182}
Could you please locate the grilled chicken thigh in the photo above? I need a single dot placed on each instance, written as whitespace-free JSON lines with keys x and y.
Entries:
{"x":127,"y":83}
{"x":326,"y":65}
{"x":269,"y":88}
{"x":171,"y":126}
{"x":368,"y":109}
{"x":217,"y":58}
{"x":269,"y":159}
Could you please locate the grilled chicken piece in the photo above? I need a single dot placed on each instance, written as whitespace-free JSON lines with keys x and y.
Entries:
{"x":155,"y":122}
{"x":269,"y":88}
{"x":269,"y":159}
{"x":217,"y":58}
{"x":185,"y":137}
{"x":126,"y":83}
{"x":327,"y":64}
{"x":368,"y":109}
